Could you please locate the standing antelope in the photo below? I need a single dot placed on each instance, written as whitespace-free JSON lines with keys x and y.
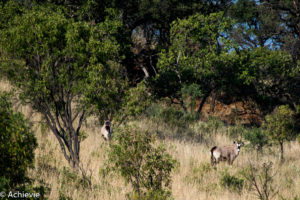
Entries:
{"x":106,"y":130}
{"x":225,"y":153}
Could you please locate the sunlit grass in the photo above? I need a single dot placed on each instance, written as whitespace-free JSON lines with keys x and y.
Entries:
{"x":193,"y":179}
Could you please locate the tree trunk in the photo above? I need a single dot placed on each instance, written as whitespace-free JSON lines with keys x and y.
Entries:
{"x":182,"y":105}
{"x":143,"y":68}
{"x":202,"y":102}
{"x":212,"y":103}
{"x":74,"y":162}
{"x":281,"y":152}
{"x":62,"y":127}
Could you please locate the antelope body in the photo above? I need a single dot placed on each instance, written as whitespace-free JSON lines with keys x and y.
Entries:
{"x":226,"y":153}
{"x":106,"y":130}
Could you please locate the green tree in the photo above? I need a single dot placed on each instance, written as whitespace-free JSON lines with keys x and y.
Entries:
{"x":266,"y":74}
{"x":53,"y":60}
{"x":273,"y":24}
{"x":17,"y":145}
{"x":279,"y":126}
{"x":255,"y":27}
{"x":147,"y":19}
{"x":198,"y":58}
{"x":144,"y":165}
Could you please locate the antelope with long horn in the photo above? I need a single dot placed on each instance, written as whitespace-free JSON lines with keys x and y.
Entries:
{"x":226,"y":153}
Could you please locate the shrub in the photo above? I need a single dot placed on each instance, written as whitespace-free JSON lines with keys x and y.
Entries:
{"x":145,"y":166}
{"x":172,"y":116}
{"x":213,"y":125}
{"x":257,"y":138}
{"x":17,"y":145}
{"x":150,"y":195}
{"x":190,"y":93}
{"x":231,"y":182}
{"x":261,"y":180}
{"x":236,"y":131}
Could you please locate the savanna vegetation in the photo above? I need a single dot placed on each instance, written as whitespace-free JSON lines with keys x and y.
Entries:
{"x":175,"y":78}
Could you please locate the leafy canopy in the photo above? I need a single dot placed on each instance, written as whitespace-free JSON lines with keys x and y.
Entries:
{"x":280,"y":124}
{"x":198,"y":60}
{"x":54,"y":61}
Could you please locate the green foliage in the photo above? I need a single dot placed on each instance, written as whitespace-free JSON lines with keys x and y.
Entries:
{"x":254,"y":26}
{"x":63,"y":67}
{"x":211,"y":127}
{"x":236,"y":132}
{"x":257,"y":28}
{"x":151,"y":195}
{"x":297,"y":109}
{"x":231,"y":182}
{"x":191,"y":93}
{"x":144,"y":165}
{"x":171,"y":116}
{"x":198,"y":60}
{"x":82,"y":136}
{"x":279,"y":125}
{"x":263,"y":64}
{"x":201,"y":54}
{"x":8,"y":10}
{"x":136,"y":101}
{"x":267,"y":72}
{"x":257,"y":138}
{"x":17,"y":145}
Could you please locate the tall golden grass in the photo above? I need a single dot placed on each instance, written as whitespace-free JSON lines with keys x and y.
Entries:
{"x":193,"y":179}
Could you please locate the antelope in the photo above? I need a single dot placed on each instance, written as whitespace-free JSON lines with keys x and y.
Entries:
{"x":226,"y":153}
{"x":106,"y":130}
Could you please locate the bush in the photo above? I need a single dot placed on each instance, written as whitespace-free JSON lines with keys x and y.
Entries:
{"x":231,"y":182}
{"x":17,"y":145}
{"x":213,"y":125}
{"x":236,"y":131}
{"x":150,"y":195}
{"x":172,"y":116}
{"x":145,"y":166}
{"x":190,"y":93}
{"x":257,"y":138}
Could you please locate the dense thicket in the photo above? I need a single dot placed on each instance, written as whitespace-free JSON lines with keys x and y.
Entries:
{"x":17,"y":145}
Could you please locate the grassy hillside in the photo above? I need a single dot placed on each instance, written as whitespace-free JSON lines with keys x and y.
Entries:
{"x":194,"y":178}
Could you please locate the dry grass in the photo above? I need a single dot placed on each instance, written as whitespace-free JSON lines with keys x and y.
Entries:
{"x":193,"y":179}
{"x":188,"y":182}
{"x":5,"y":86}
